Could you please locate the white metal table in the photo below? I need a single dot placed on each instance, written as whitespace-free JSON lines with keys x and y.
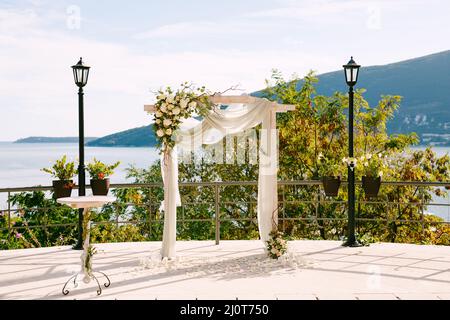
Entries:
{"x":86,"y":203}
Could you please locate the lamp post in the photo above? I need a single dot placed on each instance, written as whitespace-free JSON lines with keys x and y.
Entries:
{"x":351,"y":77}
{"x":80,"y":75}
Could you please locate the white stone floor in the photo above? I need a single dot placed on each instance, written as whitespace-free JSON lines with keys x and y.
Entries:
{"x":234,"y":270}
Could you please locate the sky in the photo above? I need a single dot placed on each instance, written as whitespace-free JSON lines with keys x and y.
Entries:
{"x":136,"y":47}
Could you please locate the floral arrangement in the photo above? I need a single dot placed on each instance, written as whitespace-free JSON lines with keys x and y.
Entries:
{"x":62,"y":169}
{"x":99,"y":170}
{"x":173,"y":106}
{"x":326,"y":167}
{"x":372,"y":165}
{"x":350,"y":162}
{"x":276,"y":245}
{"x":91,"y":251}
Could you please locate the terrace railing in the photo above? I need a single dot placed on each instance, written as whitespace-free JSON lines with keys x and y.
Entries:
{"x":301,"y":203}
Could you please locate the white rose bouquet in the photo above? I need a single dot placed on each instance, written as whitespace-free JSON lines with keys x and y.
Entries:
{"x":276,"y":245}
{"x":373,"y":165}
{"x":173,"y":106}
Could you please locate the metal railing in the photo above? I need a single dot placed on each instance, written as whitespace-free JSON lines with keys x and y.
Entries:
{"x":218,"y":204}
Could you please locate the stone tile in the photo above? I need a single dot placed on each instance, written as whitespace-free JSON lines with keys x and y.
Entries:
{"x":444,"y":296}
{"x":417,"y":296}
{"x":41,"y":273}
{"x":256,"y":296}
{"x":440,"y":276}
{"x":376,"y":296}
{"x":336,"y":296}
{"x":296,"y":296}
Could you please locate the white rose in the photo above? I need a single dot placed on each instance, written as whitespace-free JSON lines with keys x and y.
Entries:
{"x":184,"y":103}
{"x":170,"y":98}
{"x":193,"y":104}
{"x":176,"y":111}
{"x":170,"y":106}
{"x":160,"y":133}
{"x":158,"y":121}
{"x":169,"y":132}
{"x":161,"y":97}
{"x":163,"y":108}
{"x":158,"y":114}
{"x":167,"y":122}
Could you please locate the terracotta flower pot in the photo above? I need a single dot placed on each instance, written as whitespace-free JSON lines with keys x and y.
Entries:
{"x":62,"y":188}
{"x":371,"y":186}
{"x":100,"y":187}
{"x":331,"y":186}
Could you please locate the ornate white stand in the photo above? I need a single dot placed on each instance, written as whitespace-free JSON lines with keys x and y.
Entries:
{"x":86,"y":203}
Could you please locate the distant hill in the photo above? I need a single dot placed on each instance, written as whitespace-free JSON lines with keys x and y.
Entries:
{"x":52,"y":140}
{"x":424,"y":84}
{"x":137,"y":137}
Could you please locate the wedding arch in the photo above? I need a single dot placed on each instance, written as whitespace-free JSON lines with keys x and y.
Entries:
{"x":212,"y":129}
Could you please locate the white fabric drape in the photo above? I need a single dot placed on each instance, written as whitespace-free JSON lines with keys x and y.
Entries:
{"x":169,"y":167}
{"x":211,"y":130}
{"x":267,"y":177}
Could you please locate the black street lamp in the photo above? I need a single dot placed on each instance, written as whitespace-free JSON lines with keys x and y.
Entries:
{"x":351,"y":77}
{"x":80,"y":75}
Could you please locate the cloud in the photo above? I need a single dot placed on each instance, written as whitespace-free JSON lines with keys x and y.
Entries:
{"x":308,"y":9}
{"x":333,"y":11}
{"x":218,"y":28}
{"x":176,"y":30}
{"x":39,"y":96}
{"x":12,"y":21}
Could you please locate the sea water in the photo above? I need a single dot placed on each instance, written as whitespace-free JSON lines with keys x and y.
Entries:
{"x":20,"y":165}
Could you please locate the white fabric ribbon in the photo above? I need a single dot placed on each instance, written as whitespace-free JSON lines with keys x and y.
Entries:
{"x":211,"y":130}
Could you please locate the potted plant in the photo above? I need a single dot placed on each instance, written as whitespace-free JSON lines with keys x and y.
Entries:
{"x":372,"y":171}
{"x":330,"y":171}
{"x":64,"y":171}
{"x":99,"y":173}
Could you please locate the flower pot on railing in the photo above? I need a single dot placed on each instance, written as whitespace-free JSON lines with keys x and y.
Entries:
{"x":331,"y":186}
{"x":100,"y":187}
{"x":99,"y":173}
{"x":371,"y":186}
{"x":62,"y":188}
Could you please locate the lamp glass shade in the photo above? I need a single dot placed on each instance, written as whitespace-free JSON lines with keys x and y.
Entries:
{"x":80,"y":73}
{"x":351,"y":72}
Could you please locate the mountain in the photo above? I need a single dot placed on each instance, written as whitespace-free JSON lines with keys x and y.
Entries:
{"x":424,"y":84}
{"x":137,"y":137}
{"x":52,"y":140}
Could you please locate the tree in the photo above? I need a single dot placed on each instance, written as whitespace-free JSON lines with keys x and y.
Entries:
{"x":316,"y":129}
